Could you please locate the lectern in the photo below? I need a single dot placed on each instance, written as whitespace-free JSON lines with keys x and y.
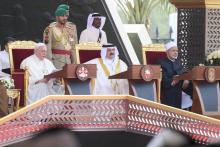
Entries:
{"x":144,"y":81}
{"x":206,"y":92}
{"x":76,"y":77}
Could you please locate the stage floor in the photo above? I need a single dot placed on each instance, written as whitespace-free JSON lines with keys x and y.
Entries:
{"x":107,"y":139}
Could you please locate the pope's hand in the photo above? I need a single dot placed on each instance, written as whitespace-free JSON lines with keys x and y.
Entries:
{"x":45,"y":80}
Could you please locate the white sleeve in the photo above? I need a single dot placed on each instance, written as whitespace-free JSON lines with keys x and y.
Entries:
{"x":50,"y":66}
{"x":93,"y":61}
{"x":83,"y":37}
{"x":124,"y":66}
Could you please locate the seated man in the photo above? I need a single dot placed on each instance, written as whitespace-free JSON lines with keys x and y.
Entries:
{"x":94,"y":32}
{"x":38,"y":66}
{"x":109,"y":64}
{"x":172,"y":89}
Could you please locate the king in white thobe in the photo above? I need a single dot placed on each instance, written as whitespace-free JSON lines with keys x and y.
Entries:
{"x":105,"y":68}
{"x":104,"y":86}
{"x":37,"y":69}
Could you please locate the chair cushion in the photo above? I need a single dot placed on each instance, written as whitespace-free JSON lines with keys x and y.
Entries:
{"x":86,"y":55}
{"x":152,"y":57}
{"x":19,"y":55}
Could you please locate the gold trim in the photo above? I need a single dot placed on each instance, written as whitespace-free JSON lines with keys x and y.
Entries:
{"x":105,"y":69}
{"x":173,"y":110}
{"x":14,"y":94}
{"x":159,"y":88}
{"x":58,"y":97}
{"x":86,"y":46}
{"x":196,"y":3}
{"x":152,"y":47}
{"x":19,"y":45}
{"x":26,"y":83}
{"x":109,"y":97}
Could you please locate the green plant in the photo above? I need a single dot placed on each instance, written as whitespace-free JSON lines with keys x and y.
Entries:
{"x":138,"y":11}
{"x":167,"y":6}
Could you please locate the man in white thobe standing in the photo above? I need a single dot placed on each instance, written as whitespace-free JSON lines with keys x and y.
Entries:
{"x":94,"y":32}
{"x":109,"y":64}
{"x":38,"y":66}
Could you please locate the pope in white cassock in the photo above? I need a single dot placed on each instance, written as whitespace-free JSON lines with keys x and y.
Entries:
{"x":94,"y":32}
{"x":38,"y":66}
{"x":109,"y":64}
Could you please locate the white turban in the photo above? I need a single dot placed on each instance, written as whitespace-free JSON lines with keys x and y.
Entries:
{"x":170,"y":45}
{"x":91,"y":18}
{"x":104,"y":50}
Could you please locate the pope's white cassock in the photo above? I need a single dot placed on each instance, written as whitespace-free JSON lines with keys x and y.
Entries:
{"x":37,"y":69}
{"x":105,"y":68}
{"x":91,"y":34}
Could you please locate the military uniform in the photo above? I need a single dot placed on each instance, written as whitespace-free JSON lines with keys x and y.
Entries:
{"x":61,"y":43}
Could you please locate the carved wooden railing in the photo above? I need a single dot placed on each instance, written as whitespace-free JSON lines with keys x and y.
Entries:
{"x":105,"y":113}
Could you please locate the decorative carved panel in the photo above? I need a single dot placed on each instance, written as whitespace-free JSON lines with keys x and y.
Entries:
{"x":105,"y":113}
{"x":212,"y":30}
{"x":191,"y":36}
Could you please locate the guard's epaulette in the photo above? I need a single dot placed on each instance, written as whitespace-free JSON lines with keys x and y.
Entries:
{"x":52,"y":24}
{"x":70,"y":25}
{"x":46,"y":34}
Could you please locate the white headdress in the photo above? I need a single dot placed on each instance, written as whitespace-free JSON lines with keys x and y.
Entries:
{"x":91,"y":18}
{"x":104,"y":50}
{"x":170,"y":45}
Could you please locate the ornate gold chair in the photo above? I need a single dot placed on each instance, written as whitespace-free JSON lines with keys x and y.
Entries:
{"x":9,"y":100}
{"x":151,"y":54}
{"x":14,"y":95}
{"x":18,"y":51}
{"x":87,"y":51}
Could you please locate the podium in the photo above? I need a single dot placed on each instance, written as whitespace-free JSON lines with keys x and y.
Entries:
{"x":206,"y":92}
{"x":76,"y":77}
{"x":144,"y":81}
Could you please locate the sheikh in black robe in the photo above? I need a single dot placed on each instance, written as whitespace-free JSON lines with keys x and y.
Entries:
{"x":172,"y":95}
